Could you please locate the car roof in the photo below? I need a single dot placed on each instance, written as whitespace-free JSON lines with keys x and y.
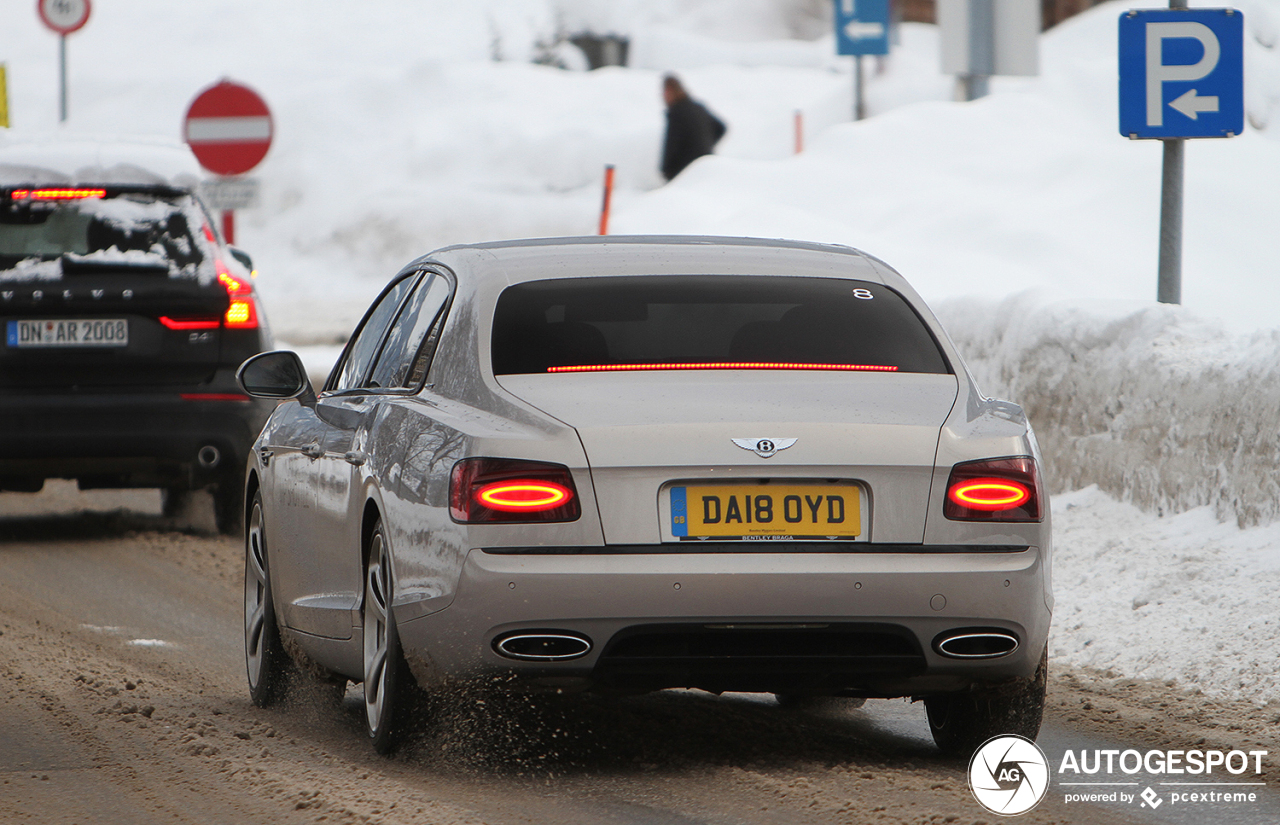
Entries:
{"x":103,"y":161}
{"x":594,"y":255}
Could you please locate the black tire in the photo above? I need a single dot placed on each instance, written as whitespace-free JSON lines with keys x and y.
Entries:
{"x":389,"y":688}
{"x":228,"y":503}
{"x":961,"y":722}
{"x":266,"y":663}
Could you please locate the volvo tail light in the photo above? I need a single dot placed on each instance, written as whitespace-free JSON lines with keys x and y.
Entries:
{"x":999,"y":489}
{"x":242,"y":313}
{"x":496,"y":490}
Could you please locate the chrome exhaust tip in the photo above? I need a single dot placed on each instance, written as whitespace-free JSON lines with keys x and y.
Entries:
{"x":542,"y":646}
{"x":977,"y":643}
{"x":208,"y":456}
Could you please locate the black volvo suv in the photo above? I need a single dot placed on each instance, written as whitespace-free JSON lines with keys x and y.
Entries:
{"x":123,"y":318}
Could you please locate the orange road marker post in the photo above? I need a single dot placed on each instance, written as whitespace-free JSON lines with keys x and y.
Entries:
{"x":608,"y":196}
{"x":799,"y":131}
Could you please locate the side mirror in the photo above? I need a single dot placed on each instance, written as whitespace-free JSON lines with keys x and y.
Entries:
{"x":241,"y":256}
{"x":277,"y":375}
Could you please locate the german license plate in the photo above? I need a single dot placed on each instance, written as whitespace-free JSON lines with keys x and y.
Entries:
{"x":68,"y":332}
{"x":766,"y":512}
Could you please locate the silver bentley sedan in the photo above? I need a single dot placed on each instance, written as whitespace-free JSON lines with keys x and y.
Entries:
{"x":626,"y":464}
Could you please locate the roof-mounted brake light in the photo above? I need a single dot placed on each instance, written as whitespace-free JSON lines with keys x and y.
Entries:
{"x":59,"y":194}
{"x":726,"y":365}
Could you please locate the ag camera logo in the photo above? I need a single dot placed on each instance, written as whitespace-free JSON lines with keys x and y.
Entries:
{"x":1009,"y":775}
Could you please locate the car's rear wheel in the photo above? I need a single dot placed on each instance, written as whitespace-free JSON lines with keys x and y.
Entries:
{"x":268,"y":665}
{"x":388,"y":685}
{"x":960,"y":722}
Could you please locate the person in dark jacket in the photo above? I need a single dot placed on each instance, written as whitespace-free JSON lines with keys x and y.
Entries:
{"x":692,"y":131}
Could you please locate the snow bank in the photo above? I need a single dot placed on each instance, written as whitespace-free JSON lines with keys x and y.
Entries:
{"x":1184,"y":599}
{"x":1154,"y":406}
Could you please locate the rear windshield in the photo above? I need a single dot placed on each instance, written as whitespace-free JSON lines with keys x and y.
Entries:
{"x":708,"y":322}
{"x":125,"y":227}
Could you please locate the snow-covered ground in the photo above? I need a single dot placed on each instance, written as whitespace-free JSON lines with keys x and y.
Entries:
{"x":1024,"y":218}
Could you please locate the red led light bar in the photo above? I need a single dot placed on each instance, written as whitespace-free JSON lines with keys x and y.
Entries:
{"x":990,"y":494}
{"x":57,"y":194}
{"x":214,"y":396}
{"x":190,"y":323}
{"x":726,"y":365}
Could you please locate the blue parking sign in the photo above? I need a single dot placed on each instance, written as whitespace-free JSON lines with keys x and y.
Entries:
{"x":1181,"y":73}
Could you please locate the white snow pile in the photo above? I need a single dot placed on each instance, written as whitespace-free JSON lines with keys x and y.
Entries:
{"x":1025,"y":219}
{"x":1184,"y":598}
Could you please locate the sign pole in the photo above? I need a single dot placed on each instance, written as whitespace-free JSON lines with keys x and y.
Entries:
{"x":1169,"y":278}
{"x":859,"y":107}
{"x":62,"y":79}
{"x":1169,"y":284}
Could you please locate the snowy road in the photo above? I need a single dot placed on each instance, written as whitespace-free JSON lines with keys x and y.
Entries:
{"x":122,"y":700}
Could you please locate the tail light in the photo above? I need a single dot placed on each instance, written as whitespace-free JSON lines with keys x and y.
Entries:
{"x":511,"y":490}
{"x":999,"y":489}
{"x":242,"y":313}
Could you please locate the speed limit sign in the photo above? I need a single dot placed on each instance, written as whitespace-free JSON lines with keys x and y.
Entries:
{"x":63,"y":16}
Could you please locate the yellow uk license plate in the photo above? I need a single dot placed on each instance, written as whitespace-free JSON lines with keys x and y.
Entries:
{"x":777,"y":512}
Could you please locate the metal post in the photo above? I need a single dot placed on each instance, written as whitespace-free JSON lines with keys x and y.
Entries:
{"x":982,"y":48}
{"x":859,"y":107}
{"x":1169,"y":287}
{"x":229,"y":225}
{"x":62,"y":78}
{"x":1169,"y":280}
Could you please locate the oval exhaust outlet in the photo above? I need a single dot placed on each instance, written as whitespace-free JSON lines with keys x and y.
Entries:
{"x":209,"y":456}
{"x":976,"y":644}
{"x":542,"y":646}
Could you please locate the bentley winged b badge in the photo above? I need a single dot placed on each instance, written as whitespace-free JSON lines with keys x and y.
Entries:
{"x":764,"y":447}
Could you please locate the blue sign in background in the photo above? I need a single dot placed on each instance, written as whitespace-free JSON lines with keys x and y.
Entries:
{"x":862,"y":26}
{"x":1191,"y":85}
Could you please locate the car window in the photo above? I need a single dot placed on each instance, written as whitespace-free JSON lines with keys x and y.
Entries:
{"x":397,"y":365}
{"x":364,"y":347}
{"x":105,"y":224}
{"x":709,"y":322}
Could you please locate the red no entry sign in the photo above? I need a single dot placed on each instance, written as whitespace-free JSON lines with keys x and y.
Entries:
{"x":228,"y":127}
{"x":63,"y":16}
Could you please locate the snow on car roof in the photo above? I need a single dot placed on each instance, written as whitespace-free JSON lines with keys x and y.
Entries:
{"x":97,"y":160}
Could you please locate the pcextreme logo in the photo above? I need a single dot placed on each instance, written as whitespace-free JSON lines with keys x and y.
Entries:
{"x":1009,"y":775}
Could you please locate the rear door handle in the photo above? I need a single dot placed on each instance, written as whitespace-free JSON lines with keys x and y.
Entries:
{"x":313,"y":451}
{"x":355,"y":458}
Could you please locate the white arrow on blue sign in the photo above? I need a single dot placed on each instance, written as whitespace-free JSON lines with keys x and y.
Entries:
{"x":862,"y":27}
{"x":1181,"y":73}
